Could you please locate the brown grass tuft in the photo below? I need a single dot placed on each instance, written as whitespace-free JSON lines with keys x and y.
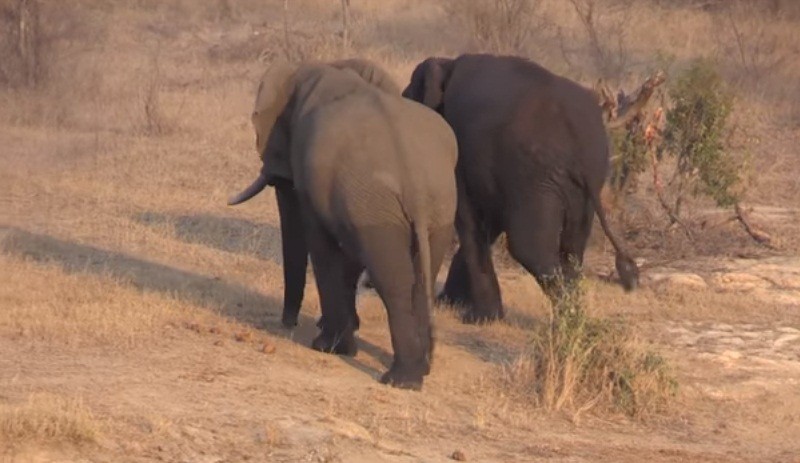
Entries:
{"x":48,"y":417}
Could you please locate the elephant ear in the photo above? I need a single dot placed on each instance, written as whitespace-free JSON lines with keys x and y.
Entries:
{"x":428,"y":82}
{"x":270,"y":119}
{"x":370,"y":72}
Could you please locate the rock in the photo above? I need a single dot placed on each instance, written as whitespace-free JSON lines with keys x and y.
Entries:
{"x":785,"y":339}
{"x":721,"y":327}
{"x":789,"y":298}
{"x":738,"y":281}
{"x":785,"y":280}
{"x":787,"y":329}
{"x":732,"y":341}
{"x":678,"y":280}
{"x":458,"y":455}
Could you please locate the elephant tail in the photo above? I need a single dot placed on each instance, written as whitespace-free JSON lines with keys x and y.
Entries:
{"x":626,"y":267}
{"x":422,"y":261}
{"x":423,"y":283}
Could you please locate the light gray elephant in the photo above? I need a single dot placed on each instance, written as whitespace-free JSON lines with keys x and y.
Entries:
{"x":365,"y":179}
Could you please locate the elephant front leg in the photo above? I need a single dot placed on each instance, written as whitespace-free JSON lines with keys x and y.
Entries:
{"x":337,"y":277}
{"x":457,"y":290}
{"x":475,"y":239}
{"x":295,"y":254}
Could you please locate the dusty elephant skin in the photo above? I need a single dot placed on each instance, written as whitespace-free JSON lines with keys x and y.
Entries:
{"x":365,"y":179}
{"x":533,"y":156}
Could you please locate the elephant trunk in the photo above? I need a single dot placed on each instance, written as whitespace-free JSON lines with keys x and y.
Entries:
{"x":255,"y":188}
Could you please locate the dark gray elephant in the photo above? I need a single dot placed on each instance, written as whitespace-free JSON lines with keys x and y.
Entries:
{"x":365,"y":179}
{"x":533,"y":157}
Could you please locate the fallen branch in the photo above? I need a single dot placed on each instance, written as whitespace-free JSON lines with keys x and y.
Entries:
{"x":760,"y":236}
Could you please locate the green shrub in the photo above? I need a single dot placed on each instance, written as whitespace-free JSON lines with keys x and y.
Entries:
{"x":695,"y":131}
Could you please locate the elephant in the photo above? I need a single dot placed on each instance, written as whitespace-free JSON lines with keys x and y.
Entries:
{"x":365,"y":180}
{"x":533,"y":157}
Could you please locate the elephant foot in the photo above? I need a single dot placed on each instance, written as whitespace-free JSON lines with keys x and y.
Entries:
{"x":473,"y":317}
{"x":404,"y":378}
{"x":289,"y":321}
{"x":340,"y":344}
{"x":356,"y":323}
{"x":628,"y":272}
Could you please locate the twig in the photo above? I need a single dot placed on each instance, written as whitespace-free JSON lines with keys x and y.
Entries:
{"x":673,"y":217}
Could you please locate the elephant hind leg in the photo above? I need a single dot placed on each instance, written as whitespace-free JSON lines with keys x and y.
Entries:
{"x":387,"y":253}
{"x":574,"y":236}
{"x":534,"y":239}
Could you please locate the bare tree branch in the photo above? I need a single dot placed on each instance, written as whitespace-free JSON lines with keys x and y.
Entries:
{"x":628,"y":110}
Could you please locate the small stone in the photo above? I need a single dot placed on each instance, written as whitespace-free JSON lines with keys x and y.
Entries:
{"x":218,"y":342}
{"x":268,"y":348}
{"x":458,"y":455}
{"x":243,"y":336}
{"x":731,"y":354}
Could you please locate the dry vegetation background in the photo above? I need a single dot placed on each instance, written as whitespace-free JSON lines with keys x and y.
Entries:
{"x":139,"y":316}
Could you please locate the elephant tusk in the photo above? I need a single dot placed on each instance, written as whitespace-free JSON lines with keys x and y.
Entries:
{"x":255,"y":188}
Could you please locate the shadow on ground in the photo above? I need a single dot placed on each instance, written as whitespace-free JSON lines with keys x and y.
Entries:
{"x":227,"y":298}
{"x":227,"y":234}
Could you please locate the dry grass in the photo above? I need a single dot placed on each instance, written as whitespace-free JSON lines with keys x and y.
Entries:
{"x":578,"y":363}
{"x":45,"y":305}
{"x":50,"y":418}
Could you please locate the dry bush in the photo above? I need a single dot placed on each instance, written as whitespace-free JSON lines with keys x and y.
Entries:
{"x":577,"y":363}
{"x":500,"y":26}
{"x":757,"y":57}
{"x":47,"y":417}
{"x":35,"y":34}
{"x":20,"y":43}
{"x":606,"y":27}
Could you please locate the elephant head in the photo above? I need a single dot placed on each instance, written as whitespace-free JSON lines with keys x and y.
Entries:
{"x":276,"y":101}
{"x":428,"y":82}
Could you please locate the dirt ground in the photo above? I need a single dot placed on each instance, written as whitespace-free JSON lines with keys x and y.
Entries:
{"x":140,"y":316}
